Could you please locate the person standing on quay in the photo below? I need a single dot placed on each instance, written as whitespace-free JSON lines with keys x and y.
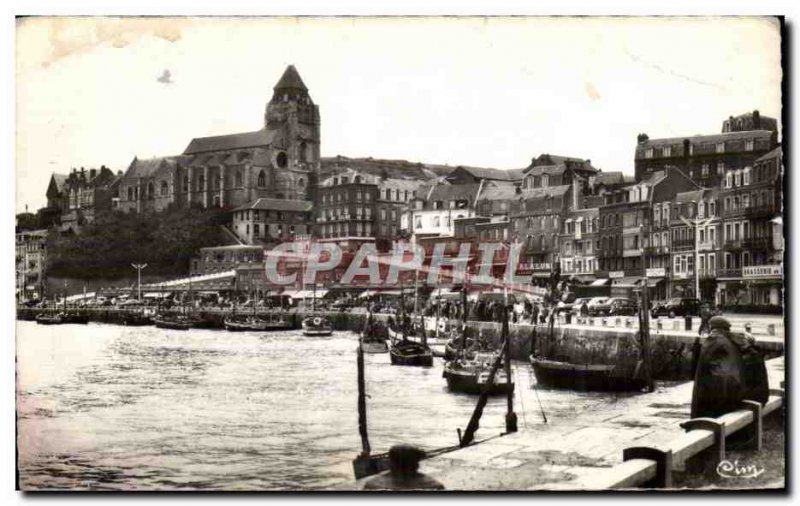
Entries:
{"x":403,"y":472}
{"x":705,"y":316}
{"x":730,"y":369}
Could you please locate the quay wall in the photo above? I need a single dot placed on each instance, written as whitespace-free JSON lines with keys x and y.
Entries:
{"x":672,"y":350}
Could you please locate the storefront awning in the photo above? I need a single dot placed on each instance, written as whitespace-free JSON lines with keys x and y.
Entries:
{"x":626,"y":282}
{"x":600,"y":282}
{"x":310,"y":294}
{"x":651,"y":282}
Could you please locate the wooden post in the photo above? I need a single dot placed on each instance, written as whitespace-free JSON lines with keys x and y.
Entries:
{"x":362,"y":404}
{"x":511,"y":417}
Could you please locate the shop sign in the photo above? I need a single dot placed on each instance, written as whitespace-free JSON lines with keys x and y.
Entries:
{"x":616,"y":274}
{"x":656,"y":272}
{"x":763,"y":271}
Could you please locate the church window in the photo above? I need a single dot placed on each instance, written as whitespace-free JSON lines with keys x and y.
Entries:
{"x":130,"y":193}
{"x":300,"y":183}
{"x":164,"y":189}
{"x":186,"y":183}
{"x":150,"y":190}
{"x":262,"y":179}
{"x":238,"y":178}
{"x":281,"y":160}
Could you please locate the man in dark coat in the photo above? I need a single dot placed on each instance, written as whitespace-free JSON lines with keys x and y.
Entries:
{"x":535,"y":314}
{"x":705,"y":316}
{"x":722,"y":381}
{"x":403,"y":474}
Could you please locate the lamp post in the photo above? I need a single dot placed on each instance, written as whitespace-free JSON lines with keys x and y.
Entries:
{"x":139,"y":268}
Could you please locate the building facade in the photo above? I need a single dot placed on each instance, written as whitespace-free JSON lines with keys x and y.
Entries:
{"x":31,"y":263}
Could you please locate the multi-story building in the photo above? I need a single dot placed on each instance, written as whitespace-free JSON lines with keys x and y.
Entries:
{"x":578,"y":244}
{"x":364,"y":200}
{"x":279,"y":161}
{"x":554,"y":170}
{"x":433,"y":211}
{"x":86,"y":195}
{"x":31,"y":262}
{"x":751,"y":270}
{"x":624,"y":226}
{"x":271,"y":221}
{"x":707,"y":158}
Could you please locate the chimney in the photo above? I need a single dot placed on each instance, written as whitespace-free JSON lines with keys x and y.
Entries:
{"x":756,"y":120}
{"x":642,"y":138}
{"x":92,"y":173}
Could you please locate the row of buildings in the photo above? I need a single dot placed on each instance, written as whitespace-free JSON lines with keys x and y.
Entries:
{"x":700,"y":210}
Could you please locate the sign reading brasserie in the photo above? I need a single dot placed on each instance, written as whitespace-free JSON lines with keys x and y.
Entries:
{"x":616,"y":274}
{"x":656,"y":272}
{"x":763,"y":271}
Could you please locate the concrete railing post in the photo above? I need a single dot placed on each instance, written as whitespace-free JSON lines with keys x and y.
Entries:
{"x":757,"y":425}
{"x":663,"y":460}
{"x":715,"y":426}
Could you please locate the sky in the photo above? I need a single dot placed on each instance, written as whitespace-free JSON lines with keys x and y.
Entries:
{"x":490,"y":92}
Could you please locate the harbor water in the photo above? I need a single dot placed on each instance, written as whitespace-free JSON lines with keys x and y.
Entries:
{"x":105,"y":407}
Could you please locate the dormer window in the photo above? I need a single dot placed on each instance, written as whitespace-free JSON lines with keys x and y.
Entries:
{"x":749,"y":145}
{"x":666,"y":151}
{"x":648,"y":153}
{"x":720,"y":147}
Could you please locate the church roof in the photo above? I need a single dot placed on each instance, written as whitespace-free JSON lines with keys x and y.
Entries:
{"x":59,"y":180}
{"x":259,"y":138}
{"x":290,"y":79}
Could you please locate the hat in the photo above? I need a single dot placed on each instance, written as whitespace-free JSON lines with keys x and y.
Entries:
{"x":718,"y":322}
{"x":405,"y":456}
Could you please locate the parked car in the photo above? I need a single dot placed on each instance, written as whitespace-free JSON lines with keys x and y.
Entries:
{"x":621,"y":306}
{"x":593,"y":304}
{"x":577,"y":305}
{"x":677,"y":307}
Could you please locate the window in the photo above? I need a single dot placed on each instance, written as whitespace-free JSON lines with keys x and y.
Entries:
{"x":545,"y":180}
{"x":720,"y":147}
{"x":256,"y":230}
{"x":150,"y":190}
{"x":417,"y":222}
{"x":436,"y":221}
{"x":262,"y":179}
{"x":186,"y":183}
{"x":720,"y":168}
{"x":666,"y":151}
{"x":704,"y":170}
{"x":383,"y":213}
{"x":388,"y":193}
{"x":130,"y":193}
{"x":164,"y":189}
{"x":737,"y":178}
{"x":746,"y":176}
{"x":748,"y":145}
{"x":728,"y":180}
{"x":648,"y":153}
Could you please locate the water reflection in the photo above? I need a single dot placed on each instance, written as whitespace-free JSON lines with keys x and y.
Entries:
{"x":106,"y":407}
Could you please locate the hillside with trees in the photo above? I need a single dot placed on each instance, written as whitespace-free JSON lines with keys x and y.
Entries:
{"x":106,"y":247}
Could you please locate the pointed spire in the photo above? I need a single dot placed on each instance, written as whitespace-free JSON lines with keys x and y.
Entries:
{"x":290,"y":80}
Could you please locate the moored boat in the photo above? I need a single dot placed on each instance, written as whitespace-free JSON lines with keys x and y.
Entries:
{"x":317,"y":326}
{"x":241,"y":323}
{"x":50,"y":319}
{"x":584,"y":377}
{"x":410,"y":353}
{"x":136,"y":319}
{"x":472,"y":376}
{"x":172,"y":322}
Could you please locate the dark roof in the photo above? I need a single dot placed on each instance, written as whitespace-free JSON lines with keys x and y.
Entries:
{"x":768,"y":156}
{"x":700,"y":139}
{"x":278,"y":205}
{"x":610,"y":178}
{"x":147,"y":167}
{"x":290,"y":79}
{"x":550,"y":170}
{"x":562,"y":162}
{"x":548,"y":159}
{"x":690,"y":196}
{"x":259,"y":138}
{"x":498,"y":190}
{"x":59,"y":180}
{"x":492,"y":174}
{"x":450,"y":192}
{"x":396,"y":169}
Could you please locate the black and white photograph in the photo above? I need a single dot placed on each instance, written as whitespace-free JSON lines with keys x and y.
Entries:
{"x":399,"y":253}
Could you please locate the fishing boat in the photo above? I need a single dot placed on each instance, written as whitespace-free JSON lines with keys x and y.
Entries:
{"x":274,"y":324}
{"x":62,"y":318}
{"x":50,"y":319}
{"x":472,"y":376}
{"x":241,"y":323}
{"x":136,"y":319}
{"x":410,"y":353}
{"x":172,"y":322}
{"x":588,"y":377}
{"x":314,"y":326}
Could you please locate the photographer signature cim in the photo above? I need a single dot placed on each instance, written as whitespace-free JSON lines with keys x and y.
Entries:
{"x":728,"y":469}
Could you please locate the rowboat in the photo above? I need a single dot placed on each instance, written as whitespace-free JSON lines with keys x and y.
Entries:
{"x":241,"y":323}
{"x":410,"y":353}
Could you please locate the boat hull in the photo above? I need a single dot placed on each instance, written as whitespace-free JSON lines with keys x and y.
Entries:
{"x":172,"y":324}
{"x":411,"y":354}
{"x":317,"y":332}
{"x":375,"y":347}
{"x":587,"y":378}
{"x":469,"y":383}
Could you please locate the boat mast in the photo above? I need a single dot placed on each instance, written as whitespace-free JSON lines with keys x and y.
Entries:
{"x":463,"y":343}
{"x":402,"y":319}
{"x":362,"y":404}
